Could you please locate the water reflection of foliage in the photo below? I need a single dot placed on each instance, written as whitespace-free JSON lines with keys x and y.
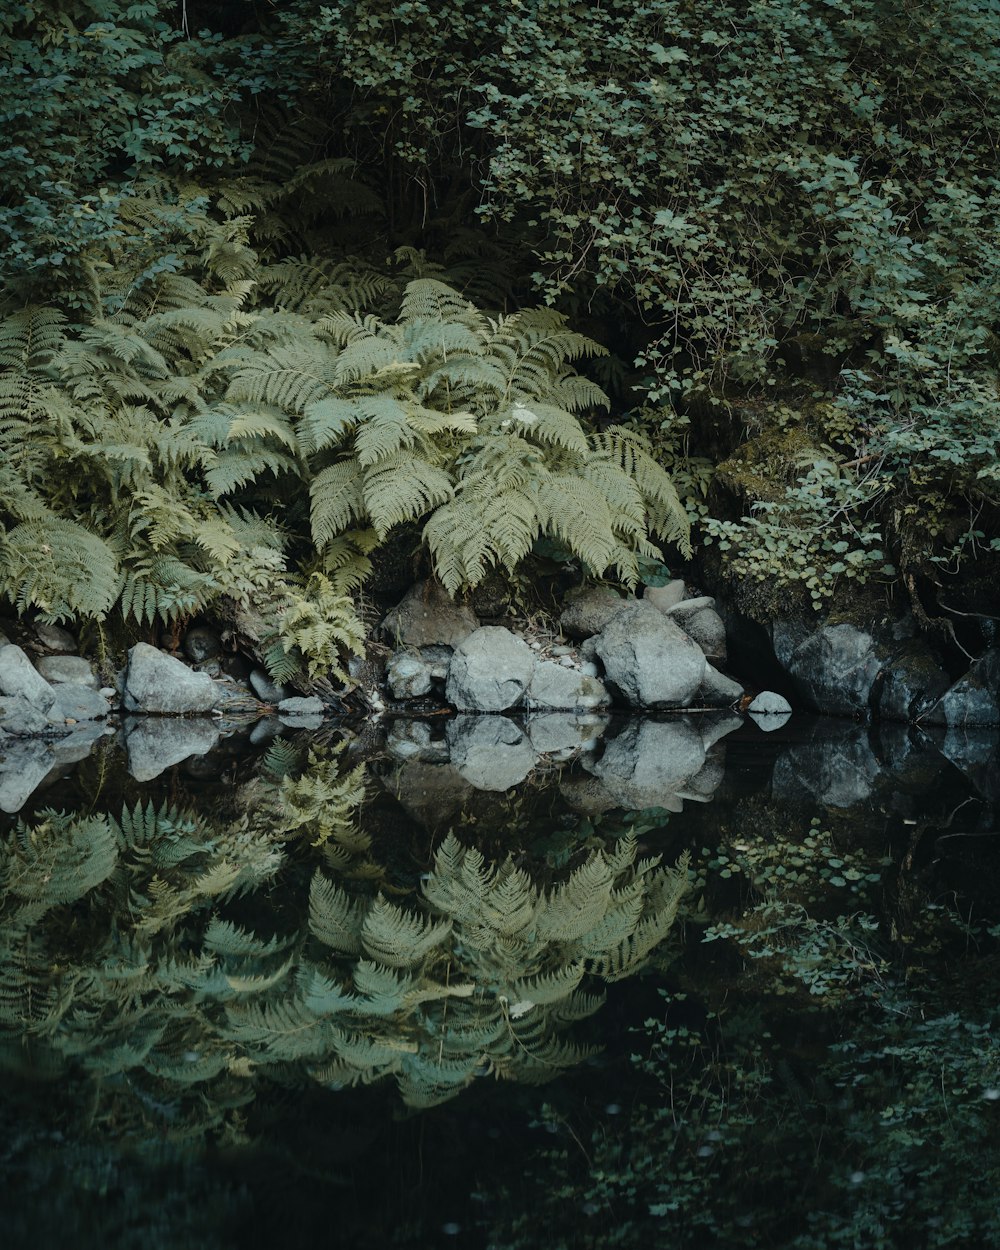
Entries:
{"x":142,"y":950}
{"x":798,"y":1114}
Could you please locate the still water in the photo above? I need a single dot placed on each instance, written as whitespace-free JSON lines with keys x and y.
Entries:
{"x":677,"y":982}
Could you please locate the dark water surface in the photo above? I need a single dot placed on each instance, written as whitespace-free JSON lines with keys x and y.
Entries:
{"x":263,"y":998}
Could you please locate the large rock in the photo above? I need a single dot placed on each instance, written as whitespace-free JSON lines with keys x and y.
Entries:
{"x":155,"y":682}
{"x":649,"y":660}
{"x":409,"y":739}
{"x":567,"y":689}
{"x":490,"y":752}
{"x":912,"y":682}
{"x":71,"y":670}
{"x":588,"y":611}
{"x":20,"y":678}
{"x":153,"y":746}
{"x":490,"y":671}
{"x":835,"y":669}
{"x":201,"y":643}
{"x":649,"y":762}
{"x":974,"y":700}
{"x":428,"y":616}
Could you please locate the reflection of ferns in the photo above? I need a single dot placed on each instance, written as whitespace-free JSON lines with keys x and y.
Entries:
{"x":115,"y":954}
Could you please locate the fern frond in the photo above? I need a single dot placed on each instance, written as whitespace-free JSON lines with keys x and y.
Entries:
{"x":397,"y":938}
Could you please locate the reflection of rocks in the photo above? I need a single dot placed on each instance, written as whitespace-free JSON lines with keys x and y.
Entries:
{"x":586,"y":794}
{"x":309,"y":705}
{"x":155,"y":682}
{"x":649,"y":762}
{"x":565,"y":733}
{"x":490,"y":752}
{"x":490,"y":671}
{"x":836,"y":768}
{"x":23,"y":768}
{"x":715,"y":726}
{"x":155,"y":745}
{"x":434,"y":795}
{"x":650,"y":660}
{"x":769,"y":711}
{"x":976,"y":753}
{"x":414,"y":740}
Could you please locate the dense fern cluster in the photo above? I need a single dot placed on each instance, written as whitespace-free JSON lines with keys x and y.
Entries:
{"x":178,"y":438}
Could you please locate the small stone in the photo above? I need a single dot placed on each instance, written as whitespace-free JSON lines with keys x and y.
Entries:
{"x":553,"y":686}
{"x":264,"y":688}
{"x":310,"y":706}
{"x":767,"y":703}
{"x":407,"y":675}
{"x":558,"y":651}
{"x":589,"y":670}
{"x":54,"y":638}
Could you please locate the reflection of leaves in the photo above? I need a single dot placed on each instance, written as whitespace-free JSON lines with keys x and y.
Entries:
{"x":482,"y":976}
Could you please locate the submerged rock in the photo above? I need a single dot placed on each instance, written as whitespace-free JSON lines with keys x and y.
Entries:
{"x":155,"y":682}
{"x":649,"y":660}
{"x":564,"y":734}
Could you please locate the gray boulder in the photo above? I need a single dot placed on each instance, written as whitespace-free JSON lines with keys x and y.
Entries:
{"x":649,"y":660}
{"x":154,"y":745}
{"x":588,"y":611}
{"x":835,"y":669}
{"x":649,"y":762}
{"x":700,"y":621}
{"x":155,"y":682}
{"x":428,"y":616}
{"x":490,"y":671}
{"x":71,"y":670}
{"x":412,"y":671}
{"x":20,"y":678}
{"x":554,"y":686}
{"x":490,"y":752}
{"x":912,"y":682}
{"x":974,"y":700}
